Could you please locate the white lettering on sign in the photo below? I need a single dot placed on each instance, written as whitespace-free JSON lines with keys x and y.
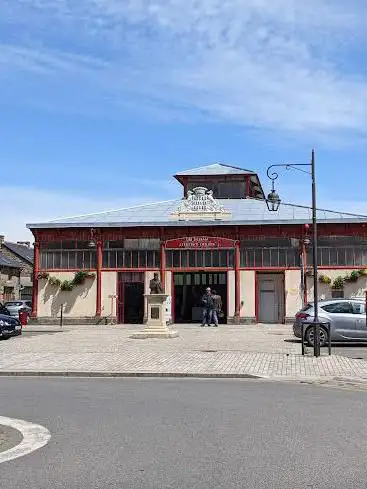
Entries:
{"x":200,"y":204}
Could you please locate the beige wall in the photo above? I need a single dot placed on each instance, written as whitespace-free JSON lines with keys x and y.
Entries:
{"x":350,"y":289}
{"x":247,"y":296}
{"x":79,"y":302}
{"x":231,"y":293}
{"x":109,"y":287}
{"x":293,"y":292}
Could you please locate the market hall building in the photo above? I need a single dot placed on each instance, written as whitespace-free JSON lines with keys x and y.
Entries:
{"x":219,"y":234}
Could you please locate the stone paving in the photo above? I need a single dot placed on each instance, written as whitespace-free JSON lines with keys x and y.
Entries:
{"x":268,"y":351}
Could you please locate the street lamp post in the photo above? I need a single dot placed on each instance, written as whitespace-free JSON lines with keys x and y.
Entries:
{"x":273,"y":202}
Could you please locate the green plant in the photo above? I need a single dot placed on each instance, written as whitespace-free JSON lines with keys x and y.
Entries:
{"x":324,"y":279}
{"x":362,"y":272}
{"x":338,"y":283}
{"x":43,"y":275}
{"x":79,"y":277}
{"x":54,"y":281}
{"x":354,"y":276}
{"x":67,"y":285}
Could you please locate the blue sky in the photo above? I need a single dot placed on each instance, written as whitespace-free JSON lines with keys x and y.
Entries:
{"x":101,"y":101}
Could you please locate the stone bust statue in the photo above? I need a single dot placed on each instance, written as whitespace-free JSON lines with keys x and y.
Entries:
{"x":155,"y":285}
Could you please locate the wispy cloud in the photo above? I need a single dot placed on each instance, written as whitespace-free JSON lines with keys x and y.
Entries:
{"x":282,"y":65}
{"x":23,"y":205}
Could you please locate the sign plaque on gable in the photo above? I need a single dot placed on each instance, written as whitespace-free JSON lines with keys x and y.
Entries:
{"x":200,"y":243}
{"x":200,"y":205}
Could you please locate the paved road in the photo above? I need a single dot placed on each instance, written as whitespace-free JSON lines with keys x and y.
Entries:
{"x":168,"y":434}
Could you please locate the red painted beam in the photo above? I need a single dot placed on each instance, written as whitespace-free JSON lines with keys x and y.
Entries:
{"x":99,"y":277}
{"x":237,"y":299}
{"x":36,"y":269}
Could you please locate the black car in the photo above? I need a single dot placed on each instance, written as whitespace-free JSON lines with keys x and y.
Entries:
{"x":4,"y":310}
{"x":9,"y":326}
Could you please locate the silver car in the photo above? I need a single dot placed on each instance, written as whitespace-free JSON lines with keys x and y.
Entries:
{"x":347,"y":318}
{"x":15,"y":306}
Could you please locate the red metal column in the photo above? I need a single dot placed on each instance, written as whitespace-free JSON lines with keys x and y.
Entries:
{"x":36,"y":269}
{"x":99,"y":278}
{"x":304,"y":256}
{"x":163,"y":266}
{"x":237,"y":299}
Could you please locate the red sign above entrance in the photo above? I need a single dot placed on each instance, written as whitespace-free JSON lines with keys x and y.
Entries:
{"x":200,"y":242}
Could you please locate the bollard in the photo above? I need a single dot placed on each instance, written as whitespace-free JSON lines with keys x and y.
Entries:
{"x":61,"y":315}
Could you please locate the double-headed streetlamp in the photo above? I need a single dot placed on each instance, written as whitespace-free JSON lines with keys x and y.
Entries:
{"x":273,"y":202}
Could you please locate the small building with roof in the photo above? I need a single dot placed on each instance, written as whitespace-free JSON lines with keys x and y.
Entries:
{"x":220,"y":234}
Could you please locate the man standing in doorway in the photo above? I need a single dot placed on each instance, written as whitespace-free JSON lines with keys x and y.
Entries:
{"x":217,"y":307}
{"x":208,"y":307}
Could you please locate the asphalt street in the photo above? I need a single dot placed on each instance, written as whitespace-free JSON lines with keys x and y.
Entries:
{"x":167,"y":433}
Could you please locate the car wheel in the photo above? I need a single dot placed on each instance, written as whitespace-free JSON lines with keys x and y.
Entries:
{"x":310,"y":336}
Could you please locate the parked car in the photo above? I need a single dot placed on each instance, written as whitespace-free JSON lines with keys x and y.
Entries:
{"x":4,"y":310}
{"x":347,"y":318}
{"x":15,"y":306}
{"x":9,"y":326}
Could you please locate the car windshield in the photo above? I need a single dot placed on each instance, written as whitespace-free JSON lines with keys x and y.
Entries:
{"x":13,"y":304}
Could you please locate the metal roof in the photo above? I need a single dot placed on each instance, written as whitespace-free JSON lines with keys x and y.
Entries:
{"x":216,"y":169}
{"x":243,"y":212}
{"x":7,"y":262}
{"x":22,"y":251}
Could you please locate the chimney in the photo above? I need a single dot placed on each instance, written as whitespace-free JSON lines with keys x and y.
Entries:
{"x":2,"y":237}
{"x":24,"y":243}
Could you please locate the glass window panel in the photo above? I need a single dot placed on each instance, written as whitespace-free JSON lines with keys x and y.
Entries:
{"x":188,"y":279}
{"x":282,"y":262}
{"x":325,"y":257}
{"x":222,"y":278}
{"x":184,"y":258}
{"x":75,"y":259}
{"x":192,"y":259}
{"x":113,"y":258}
{"x":333,"y":256}
{"x":223,"y":258}
{"x":82,"y":245}
{"x":215,"y":257}
{"x":56,"y":259}
{"x":176,"y":259}
{"x":117,"y":258}
{"x":106,"y":262}
{"x":266,"y":257}
{"x":127,"y":259}
{"x":150,"y":259}
{"x":200,"y":258}
{"x":135,"y":259}
{"x":68,"y":245}
{"x":142,"y":259}
{"x":179,"y":279}
{"x":258,"y":258}
{"x":52,"y":245}
{"x":208,"y":259}
{"x":203,"y":279}
{"x":358,"y":257}
{"x":197,"y":279}
{"x":119,"y":244}
{"x":43,"y":259}
{"x":230,"y":258}
{"x":350,"y":256}
{"x":131,"y":244}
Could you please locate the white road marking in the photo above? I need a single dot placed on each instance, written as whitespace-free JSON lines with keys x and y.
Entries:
{"x":35,"y":436}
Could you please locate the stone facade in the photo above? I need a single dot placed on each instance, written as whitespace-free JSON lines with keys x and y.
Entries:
{"x":20,"y":283}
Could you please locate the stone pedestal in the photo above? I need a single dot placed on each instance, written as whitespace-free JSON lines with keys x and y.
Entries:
{"x":156,"y":326}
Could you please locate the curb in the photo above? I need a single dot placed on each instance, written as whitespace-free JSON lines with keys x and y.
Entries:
{"x":129,"y":374}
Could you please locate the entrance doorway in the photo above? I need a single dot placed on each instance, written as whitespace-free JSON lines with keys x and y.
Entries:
{"x":188,"y":291}
{"x":271,"y":297}
{"x":130,"y":299}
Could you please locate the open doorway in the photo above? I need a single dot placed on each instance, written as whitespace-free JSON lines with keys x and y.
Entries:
{"x":130,"y":301}
{"x":271,"y":296}
{"x":188,"y":290}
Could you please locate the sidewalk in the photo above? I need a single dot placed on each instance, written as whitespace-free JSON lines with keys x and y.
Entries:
{"x":266,"y":351}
